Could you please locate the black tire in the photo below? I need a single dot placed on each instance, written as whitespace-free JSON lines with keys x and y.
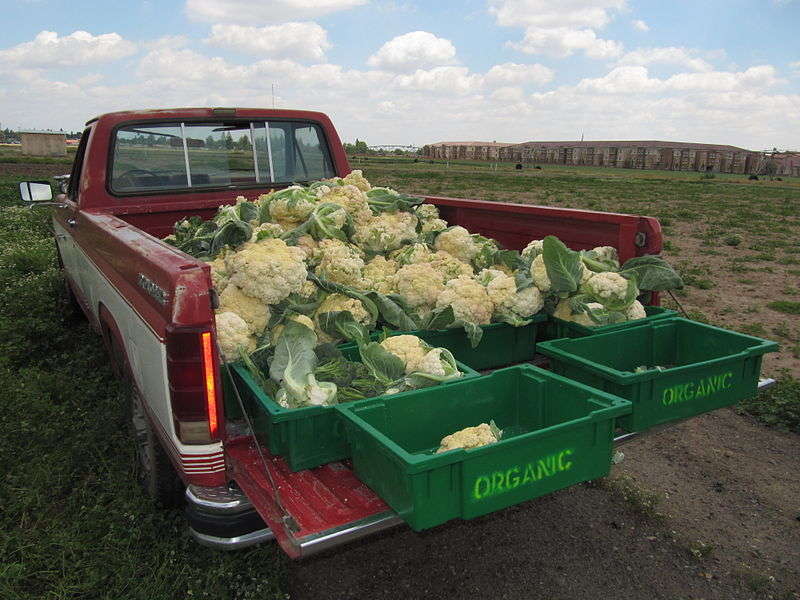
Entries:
{"x":153,"y":469}
{"x":72,"y":307}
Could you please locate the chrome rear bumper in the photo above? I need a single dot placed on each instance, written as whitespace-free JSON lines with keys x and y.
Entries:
{"x":212,"y":510}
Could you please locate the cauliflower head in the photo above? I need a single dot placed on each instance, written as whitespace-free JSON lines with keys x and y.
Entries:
{"x":340,"y":302}
{"x":268,"y":270}
{"x":419,"y":284}
{"x":457,"y":242}
{"x":532,"y":250}
{"x":386,"y":232}
{"x":607,"y":287}
{"x":432,"y":363}
{"x":309,"y":290}
{"x":291,"y":208}
{"x":607,"y":253}
{"x":379,"y":274}
{"x":524,"y":303}
{"x":233,"y":332}
{"x":352,"y":199}
{"x":449,"y":266}
{"x":357,"y":179}
{"x":340,"y":262}
{"x":411,"y":254}
{"x":499,"y":286}
{"x":469,"y":299}
{"x":254,"y":311}
{"x":635,"y":311}
{"x":273,"y":230}
{"x":426,"y":212}
{"x":408,"y":348}
{"x":311,"y":247}
{"x":469,"y":437}
{"x":433,"y":225}
{"x":219,"y":276}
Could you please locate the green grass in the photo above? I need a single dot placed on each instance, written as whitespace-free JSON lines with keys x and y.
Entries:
{"x":779,"y":406}
{"x":75,"y":524}
{"x":785,"y":306}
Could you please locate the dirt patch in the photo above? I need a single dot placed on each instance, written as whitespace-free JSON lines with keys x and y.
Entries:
{"x":732,"y":493}
{"x":737,"y":299}
{"x":33,"y":170}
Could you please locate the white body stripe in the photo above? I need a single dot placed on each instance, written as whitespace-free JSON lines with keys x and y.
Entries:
{"x":146,"y":353}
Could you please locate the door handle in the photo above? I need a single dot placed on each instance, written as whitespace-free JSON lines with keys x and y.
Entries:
{"x":71,"y":222}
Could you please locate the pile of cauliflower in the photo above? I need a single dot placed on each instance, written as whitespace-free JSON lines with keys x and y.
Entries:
{"x":332,"y":245}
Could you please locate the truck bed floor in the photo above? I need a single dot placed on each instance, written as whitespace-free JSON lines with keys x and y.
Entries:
{"x":324,"y":507}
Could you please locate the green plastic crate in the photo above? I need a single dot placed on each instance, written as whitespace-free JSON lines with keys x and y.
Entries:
{"x":706,"y":367}
{"x":558,"y":328}
{"x":307,"y":437}
{"x":556,"y":433}
{"x":501,"y":344}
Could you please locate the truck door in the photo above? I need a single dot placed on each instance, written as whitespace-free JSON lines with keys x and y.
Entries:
{"x":66,"y":220}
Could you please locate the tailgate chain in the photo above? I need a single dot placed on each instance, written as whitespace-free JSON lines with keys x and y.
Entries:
{"x":288,"y":521}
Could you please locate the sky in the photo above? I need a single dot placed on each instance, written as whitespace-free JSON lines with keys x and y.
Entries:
{"x":416,"y":72}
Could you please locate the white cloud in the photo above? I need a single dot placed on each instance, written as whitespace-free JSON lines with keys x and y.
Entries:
{"x":546,"y":13}
{"x":759,"y":77}
{"x":622,"y":80}
{"x":414,"y":50}
{"x":48,"y":50}
{"x":640,"y":25}
{"x":669,"y":55}
{"x":515,"y":73}
{"x":561,"y":42}
{"x":795,"y":67}
{"x":247,"y":12}
{"x":454,"y":80}
{"x":302,"y":41}
{"x":562,"y":28}
{"x":636,"y":79}
{"x":508,"y":94}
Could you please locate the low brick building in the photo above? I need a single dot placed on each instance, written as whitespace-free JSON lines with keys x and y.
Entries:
{"x":646,"y":154}
{"x":464,"y":150}
{"x":786,"y":163}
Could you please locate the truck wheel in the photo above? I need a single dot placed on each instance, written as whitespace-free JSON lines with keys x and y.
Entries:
{"x":153,"y":469}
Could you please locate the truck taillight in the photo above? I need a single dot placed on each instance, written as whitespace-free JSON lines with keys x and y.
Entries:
{"x":193,"y":385}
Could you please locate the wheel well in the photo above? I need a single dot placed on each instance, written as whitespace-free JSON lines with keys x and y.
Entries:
{"x":112,"y":338}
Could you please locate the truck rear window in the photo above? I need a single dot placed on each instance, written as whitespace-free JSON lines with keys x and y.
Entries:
{"x":179,"y":156}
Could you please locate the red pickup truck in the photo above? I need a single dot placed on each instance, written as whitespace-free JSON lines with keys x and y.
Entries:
{"x":138,"y":172}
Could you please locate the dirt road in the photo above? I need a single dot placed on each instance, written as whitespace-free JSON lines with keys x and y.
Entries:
{"x":731,"y":498}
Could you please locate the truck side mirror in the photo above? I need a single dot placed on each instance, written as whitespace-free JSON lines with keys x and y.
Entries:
{"x":35,"y":191}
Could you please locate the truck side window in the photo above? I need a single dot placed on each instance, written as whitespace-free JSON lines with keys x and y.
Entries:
{"x":77,"y":167}
{"x":311,"y":159}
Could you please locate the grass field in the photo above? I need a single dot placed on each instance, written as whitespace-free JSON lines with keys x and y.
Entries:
{"x":75,"y":524}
